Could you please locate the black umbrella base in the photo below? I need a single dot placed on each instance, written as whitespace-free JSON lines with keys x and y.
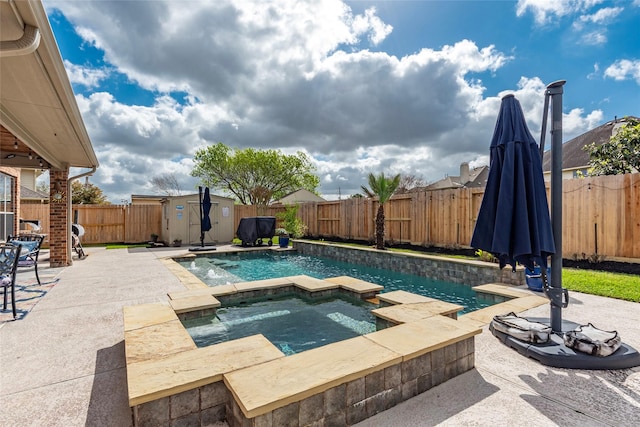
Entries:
{"x":554,"y":353}
{"x":202,"y":248}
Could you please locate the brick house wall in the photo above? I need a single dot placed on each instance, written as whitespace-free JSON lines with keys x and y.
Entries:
{"x":59,"y":219}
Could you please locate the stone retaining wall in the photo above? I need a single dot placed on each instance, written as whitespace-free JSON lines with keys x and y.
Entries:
{"x":467,"y":272}
{"x":361,"y":398}
{"x":201,"y":406}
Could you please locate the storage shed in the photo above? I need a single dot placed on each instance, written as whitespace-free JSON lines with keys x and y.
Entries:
{"x":181,"y":220}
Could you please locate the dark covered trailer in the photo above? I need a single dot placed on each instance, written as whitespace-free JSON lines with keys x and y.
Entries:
{"x":252,"y":230}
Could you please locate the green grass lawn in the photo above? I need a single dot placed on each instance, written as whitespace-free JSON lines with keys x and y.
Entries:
{"x":613,"y":285}
{"x":126,"y":246}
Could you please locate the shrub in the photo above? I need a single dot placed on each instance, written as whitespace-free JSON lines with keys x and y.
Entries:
{"x":485,"y":256}
{"x":290,"y":221}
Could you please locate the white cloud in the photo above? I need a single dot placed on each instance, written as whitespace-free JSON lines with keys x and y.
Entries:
{"x":293,"y":76}
{"x":595,"y":25}
{"x":549,"y":11}
{"x":602,"y":16}
{"x":373,"y":25}
{"x":624,"y":69}
{"x":575,"y":122}
{"x":594,"y":38}
{"x":85,"y":76}
{"x":155,"y":43}
{"x":595,"y":73}
{"x":590,"y":20}
{"x":545,"y":11}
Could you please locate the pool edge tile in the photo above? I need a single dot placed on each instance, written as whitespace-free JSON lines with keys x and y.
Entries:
{"x":436,"y":332}
{"x":193,"y":303}
{"x":143,"y":315}
{"x":186,"y":278}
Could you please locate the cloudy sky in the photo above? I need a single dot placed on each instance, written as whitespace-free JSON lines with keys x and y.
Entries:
{"x":360,"y":86}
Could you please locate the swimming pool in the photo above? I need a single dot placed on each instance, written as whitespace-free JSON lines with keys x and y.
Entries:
{"x":292,"y":323}
{"x":258,"y":265}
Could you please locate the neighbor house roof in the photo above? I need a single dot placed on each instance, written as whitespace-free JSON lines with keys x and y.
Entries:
{"x":573,"y":155}
{"x":40,"y":121}
{"x":469,"y":178}
{"x":29,"y":194}
{"x":145,"y":199}
{"x":478,"y":177}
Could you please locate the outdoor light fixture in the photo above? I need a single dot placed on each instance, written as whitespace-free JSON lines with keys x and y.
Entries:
{"x":30,"y":155}
{"x":10,"y":156}
{"x":15,"y":143}
{"x":41,"y":164}
{"x":58,"y":194}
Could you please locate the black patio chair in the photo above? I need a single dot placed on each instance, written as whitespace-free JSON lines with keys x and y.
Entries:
{"x":30,"y":249}
{"x":8,"y":267}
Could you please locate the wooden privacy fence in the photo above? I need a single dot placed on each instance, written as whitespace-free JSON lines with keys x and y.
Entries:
{"x":601,"y":215}
{"x":442,"y":217}
{"x":105,"y":223}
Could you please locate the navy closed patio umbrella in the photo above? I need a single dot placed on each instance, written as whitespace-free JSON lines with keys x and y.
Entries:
{"x":205,"y":220}
{"x":513,"y":223}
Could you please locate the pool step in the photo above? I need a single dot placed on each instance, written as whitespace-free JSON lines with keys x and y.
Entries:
{"x":404,"y":313}
{"x":362,"y":289}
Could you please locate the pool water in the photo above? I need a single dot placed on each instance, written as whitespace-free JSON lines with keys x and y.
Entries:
{"x":291,"y":323}
{"x":259,"y":265}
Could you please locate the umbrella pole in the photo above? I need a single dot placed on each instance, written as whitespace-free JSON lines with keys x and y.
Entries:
{"x":555,"y":291}
{"x":543,"y":131}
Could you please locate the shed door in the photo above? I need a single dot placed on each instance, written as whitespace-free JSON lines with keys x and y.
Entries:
{"x":210,"y":236}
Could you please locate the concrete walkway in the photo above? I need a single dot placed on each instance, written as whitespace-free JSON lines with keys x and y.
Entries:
{"x":507,"y":389}
{"x":63,"y":362}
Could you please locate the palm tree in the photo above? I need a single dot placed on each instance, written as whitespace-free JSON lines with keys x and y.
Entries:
{"x":382,"y":187}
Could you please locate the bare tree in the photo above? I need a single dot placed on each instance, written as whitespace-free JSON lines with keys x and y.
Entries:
{"x":409,"y":182}
{"x":167,"y":184}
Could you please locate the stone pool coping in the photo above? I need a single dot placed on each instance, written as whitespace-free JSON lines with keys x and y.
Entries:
{"x":162,"y":359}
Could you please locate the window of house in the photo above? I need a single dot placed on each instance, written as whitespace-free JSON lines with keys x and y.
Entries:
{"x":580,"y":173}
{"x":6,"y":206}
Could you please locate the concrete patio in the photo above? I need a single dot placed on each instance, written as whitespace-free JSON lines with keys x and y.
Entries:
{"x":63,"y":360}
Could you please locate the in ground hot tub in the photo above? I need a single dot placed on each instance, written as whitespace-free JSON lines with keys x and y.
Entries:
{"x":291,"y":322}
